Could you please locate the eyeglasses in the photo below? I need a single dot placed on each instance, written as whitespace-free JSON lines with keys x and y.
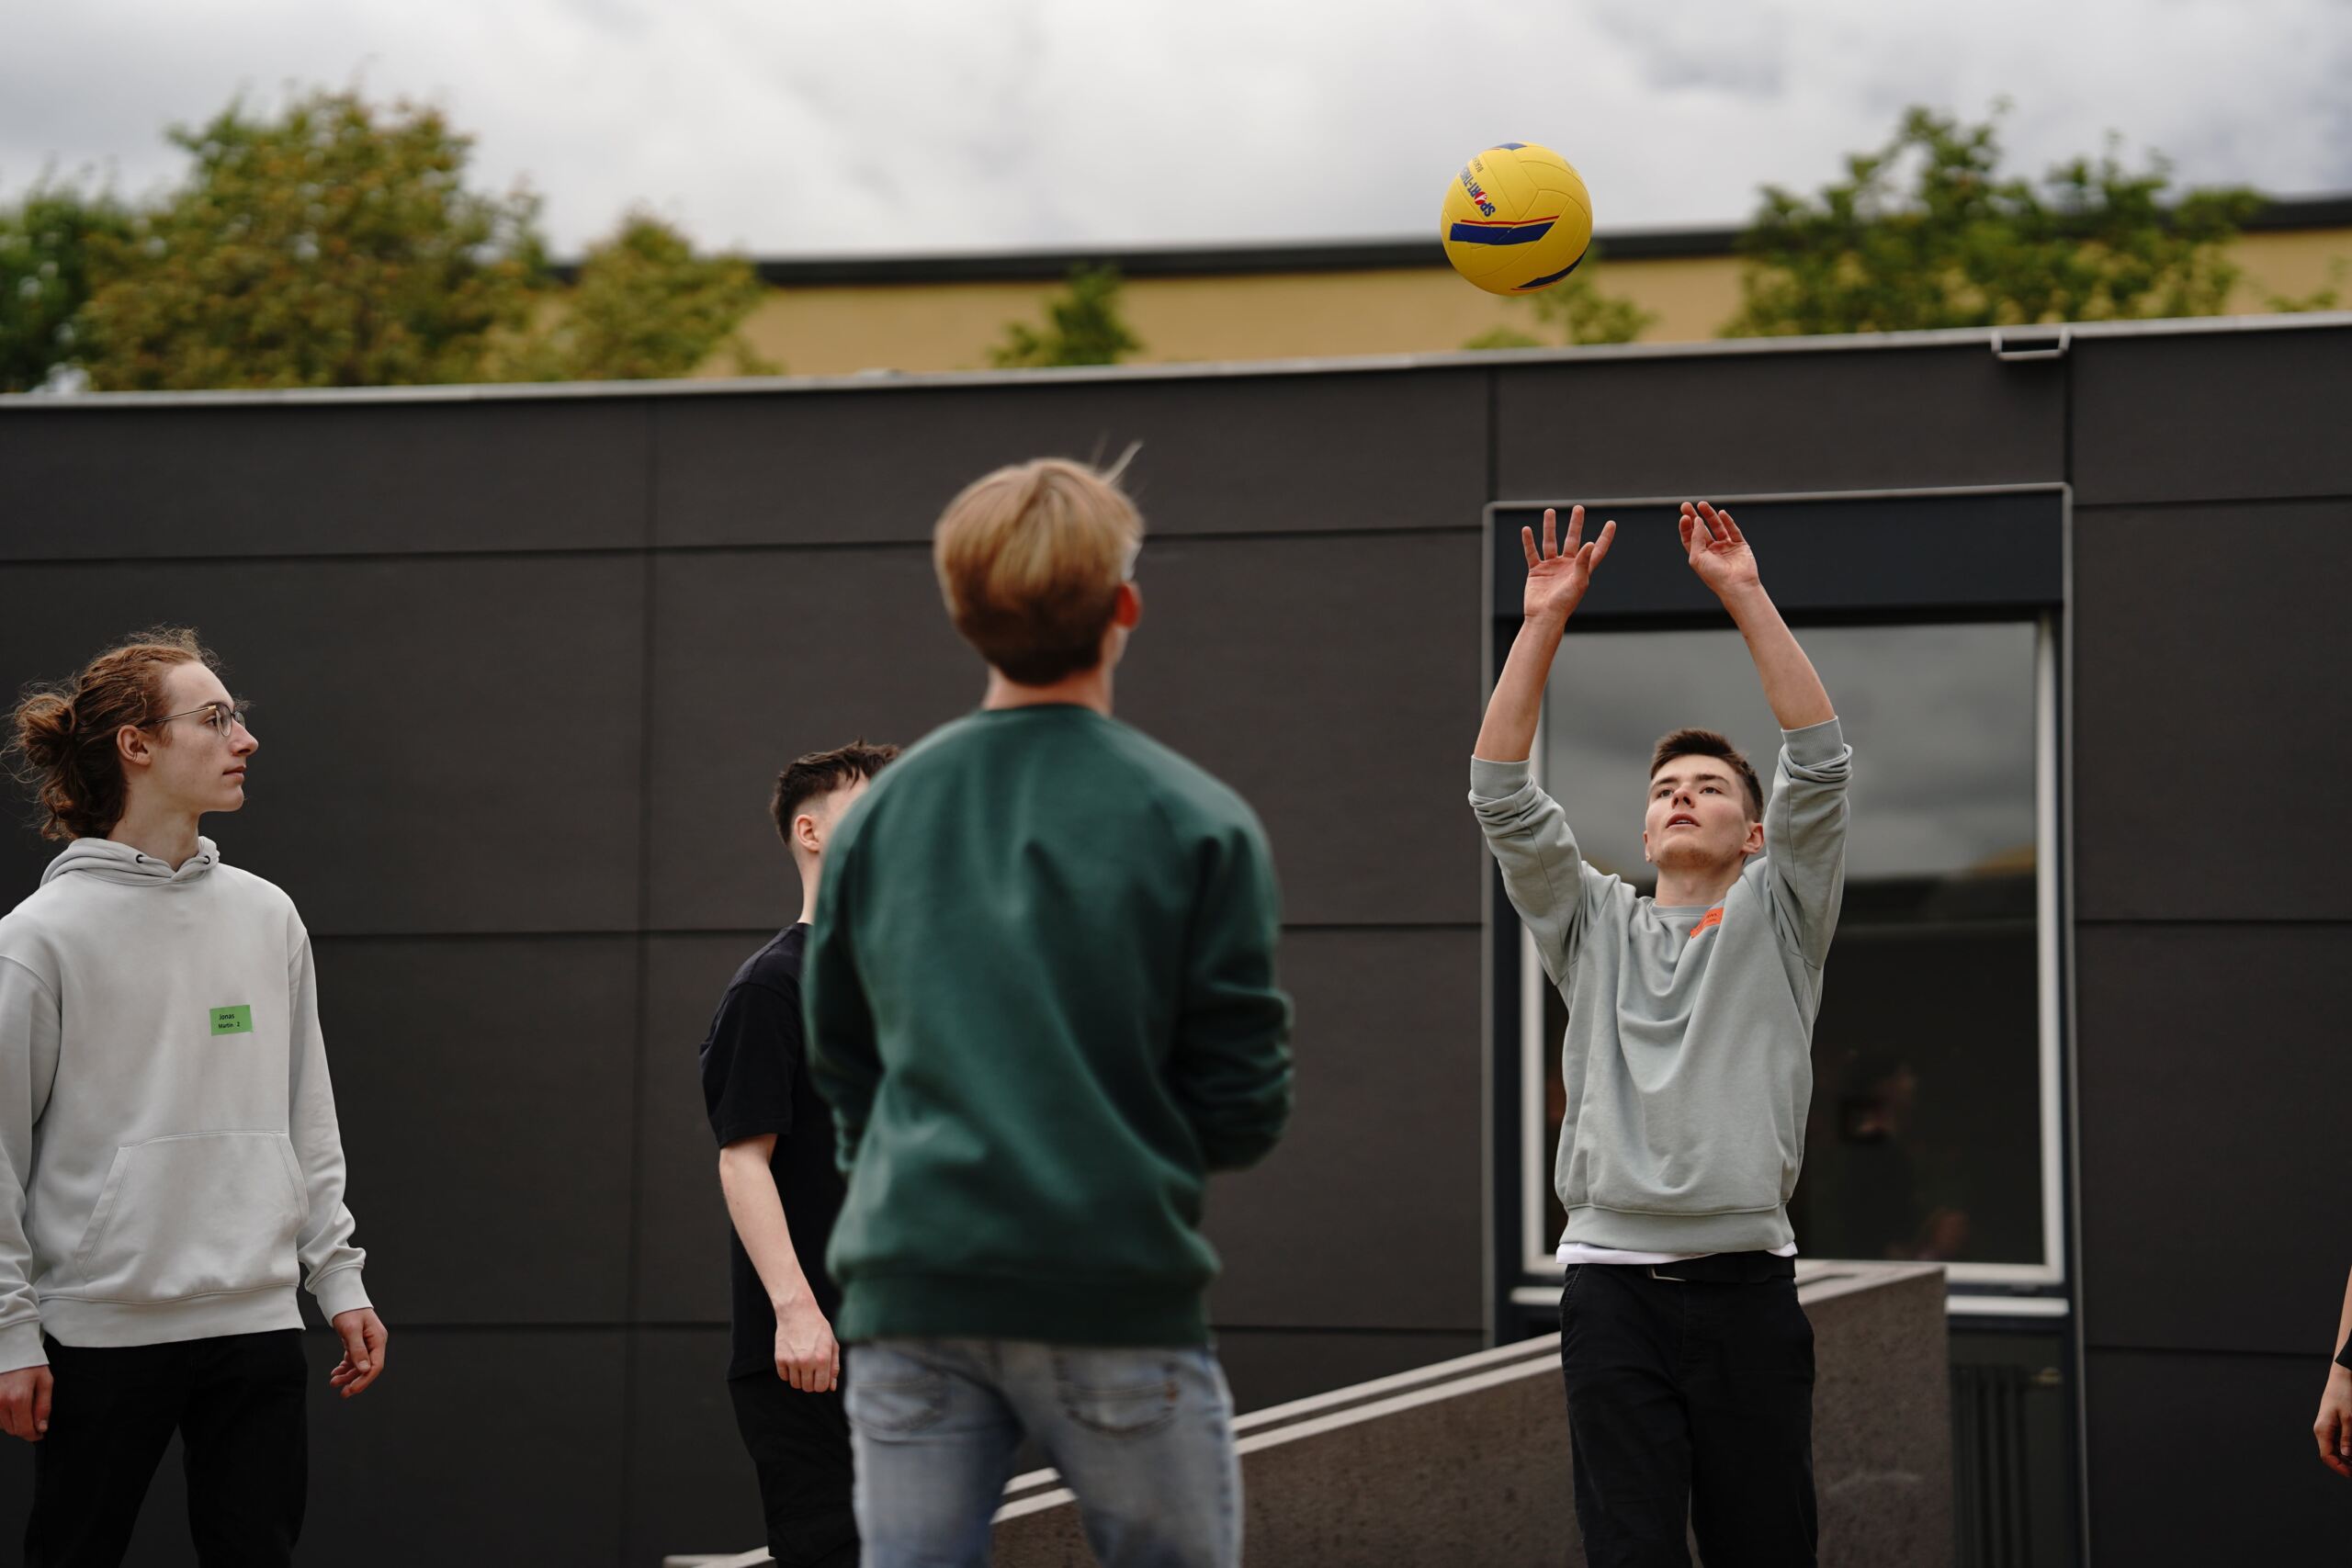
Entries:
{"x":223,"y":717}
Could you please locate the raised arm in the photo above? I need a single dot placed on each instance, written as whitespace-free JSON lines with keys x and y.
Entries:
{"x":1556,"y":579}
{"x":1719,"y":554}
{"x":1525,"y":829}
{"x":1804,"y":822}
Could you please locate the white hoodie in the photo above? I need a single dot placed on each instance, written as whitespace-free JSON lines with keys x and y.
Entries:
{"x":169,"y":1147}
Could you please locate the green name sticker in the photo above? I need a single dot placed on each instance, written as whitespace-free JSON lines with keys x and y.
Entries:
{"x":232,"y":1021}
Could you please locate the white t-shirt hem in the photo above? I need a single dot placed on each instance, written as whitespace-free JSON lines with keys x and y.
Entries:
{"x":1574,"y":1253}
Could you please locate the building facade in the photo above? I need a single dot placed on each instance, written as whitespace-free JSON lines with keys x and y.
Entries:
{"x":1198,"y":304}
{"x":526,"y":659}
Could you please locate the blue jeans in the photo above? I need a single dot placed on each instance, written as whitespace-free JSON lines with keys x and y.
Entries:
{"x":1143,"y":1437}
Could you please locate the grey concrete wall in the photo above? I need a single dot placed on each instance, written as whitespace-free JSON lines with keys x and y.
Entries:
{"x":1467,"y":1464}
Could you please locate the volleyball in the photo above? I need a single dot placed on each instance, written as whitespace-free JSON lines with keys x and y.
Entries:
{"x":1516,"y":218}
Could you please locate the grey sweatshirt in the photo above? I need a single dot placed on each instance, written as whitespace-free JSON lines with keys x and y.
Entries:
{"x":1688,"y":1059}
{"x":169,"y":1147}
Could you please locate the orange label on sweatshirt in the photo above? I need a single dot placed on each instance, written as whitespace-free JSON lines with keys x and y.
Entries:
{"x":1709,"y":920}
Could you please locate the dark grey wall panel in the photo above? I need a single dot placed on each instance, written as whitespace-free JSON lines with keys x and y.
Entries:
{"x":2210,"y":1459}
{"x":2212,"y":415}
{"x":2206,"y":1099}
{"x":1340,"y":453}
{"x":681,"y":1214}
{"x":1369,"y":1214}
{"x":2207,"y":650}
{"x":1372,"y":1169}
{"x":476,"y":1446}
{"x":446,"y":745}
{"x":1919,"y":555}
{"x":1322,"y":682}
{"x":484,"y":1092}
{"x":761,"y":656}
{"x":1270,"y":1367}
{"x":311,"y":479}
{"x":691,"y":1488}
{"x":1336,"y":686}
{"x":1756,"y":422}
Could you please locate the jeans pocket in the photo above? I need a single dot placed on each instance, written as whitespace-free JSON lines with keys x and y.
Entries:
{"x":890,"y":1391}
{"x":1118,"y":1394}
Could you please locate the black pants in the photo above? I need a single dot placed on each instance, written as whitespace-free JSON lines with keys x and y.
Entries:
{"x":799,"y":1445}
{"x":236,"y":1403}
{"x":1691,"y":1404}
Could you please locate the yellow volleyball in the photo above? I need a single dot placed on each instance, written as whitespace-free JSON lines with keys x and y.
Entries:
{"x":1516,"y":218}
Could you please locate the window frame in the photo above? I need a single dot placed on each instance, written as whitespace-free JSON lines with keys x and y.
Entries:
{"x":1518,"y":1052}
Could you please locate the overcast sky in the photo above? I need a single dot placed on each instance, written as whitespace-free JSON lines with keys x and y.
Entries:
{"x":789,"y":127}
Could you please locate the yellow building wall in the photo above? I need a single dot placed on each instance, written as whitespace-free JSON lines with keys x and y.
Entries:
{"x":839,"y":329}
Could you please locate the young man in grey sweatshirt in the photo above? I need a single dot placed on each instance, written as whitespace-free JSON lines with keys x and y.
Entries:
{"x":1687,"y":1067}
{"x":170,"y":1165}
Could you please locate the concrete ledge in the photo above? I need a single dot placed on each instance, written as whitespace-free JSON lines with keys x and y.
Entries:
{"x":1465,"y":1463}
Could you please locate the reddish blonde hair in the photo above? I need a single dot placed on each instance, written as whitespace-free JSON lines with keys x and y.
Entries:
{"x":64,"y":747}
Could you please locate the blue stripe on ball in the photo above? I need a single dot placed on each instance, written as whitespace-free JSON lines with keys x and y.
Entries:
{"x":1547,"y":282}
{"x":1500,"y":235}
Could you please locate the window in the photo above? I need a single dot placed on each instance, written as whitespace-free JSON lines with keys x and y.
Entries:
{"x":1934,"y":1129}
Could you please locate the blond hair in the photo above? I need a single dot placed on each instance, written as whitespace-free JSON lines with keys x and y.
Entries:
{"x":1030,"y":561}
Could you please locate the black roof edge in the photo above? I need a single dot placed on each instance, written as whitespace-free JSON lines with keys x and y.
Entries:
{"x":1330,"y":255}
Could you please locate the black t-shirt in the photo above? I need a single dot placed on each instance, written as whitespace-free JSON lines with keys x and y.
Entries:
{"x":755,"y":1081}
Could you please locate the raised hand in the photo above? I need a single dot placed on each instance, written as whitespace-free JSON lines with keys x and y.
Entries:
{"x":1557,"y":576}
{"x":1718,"y":550}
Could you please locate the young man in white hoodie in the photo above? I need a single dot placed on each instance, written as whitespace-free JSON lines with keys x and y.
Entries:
{"x":170,"y":1165}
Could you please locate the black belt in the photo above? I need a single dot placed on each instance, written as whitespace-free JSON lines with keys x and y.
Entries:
{"x":1728,"y":1269}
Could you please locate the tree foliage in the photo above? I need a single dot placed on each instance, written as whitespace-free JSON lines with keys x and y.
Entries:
{"x":45,"y":270}
{"x":336,"y":245}
{"x":1926,"y":231}
{"x":1083,"y":326}
{"x":1579,"y":311}
{"x":644,"y":305}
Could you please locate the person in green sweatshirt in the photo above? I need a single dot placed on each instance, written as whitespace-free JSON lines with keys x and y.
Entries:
{"x":1687,"y":1067}
{"x":1041,"y":999}
{"x":170,"y":1162}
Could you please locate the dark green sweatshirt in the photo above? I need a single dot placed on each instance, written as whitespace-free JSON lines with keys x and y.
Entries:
{"x":1040,"y":996}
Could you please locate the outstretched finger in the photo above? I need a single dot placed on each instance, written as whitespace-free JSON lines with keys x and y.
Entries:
{"x":1730,"y":529}
{"x":1600,"y":546}
{"x":1576,"y":530}
{"x":1551,"y":533}
{"x":1527,"y":543}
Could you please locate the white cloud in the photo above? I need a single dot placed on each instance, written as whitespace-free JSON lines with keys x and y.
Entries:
{"x":927,"y":125}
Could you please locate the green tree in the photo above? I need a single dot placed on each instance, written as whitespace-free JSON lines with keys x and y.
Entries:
{"x":336,"y":245}
{"x":45,"y":244}
{"x":1082,"y":327}
{"x":1927,"y":233}
{"x":643,"y":305}
{"x":1579,"y":311}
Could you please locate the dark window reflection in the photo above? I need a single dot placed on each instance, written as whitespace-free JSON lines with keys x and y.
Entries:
{"x":1925,"y":1136}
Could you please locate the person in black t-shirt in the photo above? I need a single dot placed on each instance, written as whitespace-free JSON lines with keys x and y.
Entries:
{"x":784,"y":1191}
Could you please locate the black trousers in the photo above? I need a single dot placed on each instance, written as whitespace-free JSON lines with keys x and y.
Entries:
{"x":236,"y":1403}
{"x":799,"y":1445}
{"x":1690,"y":1407}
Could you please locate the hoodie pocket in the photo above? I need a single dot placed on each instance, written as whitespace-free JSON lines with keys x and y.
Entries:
{"x":196,"y":1214}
